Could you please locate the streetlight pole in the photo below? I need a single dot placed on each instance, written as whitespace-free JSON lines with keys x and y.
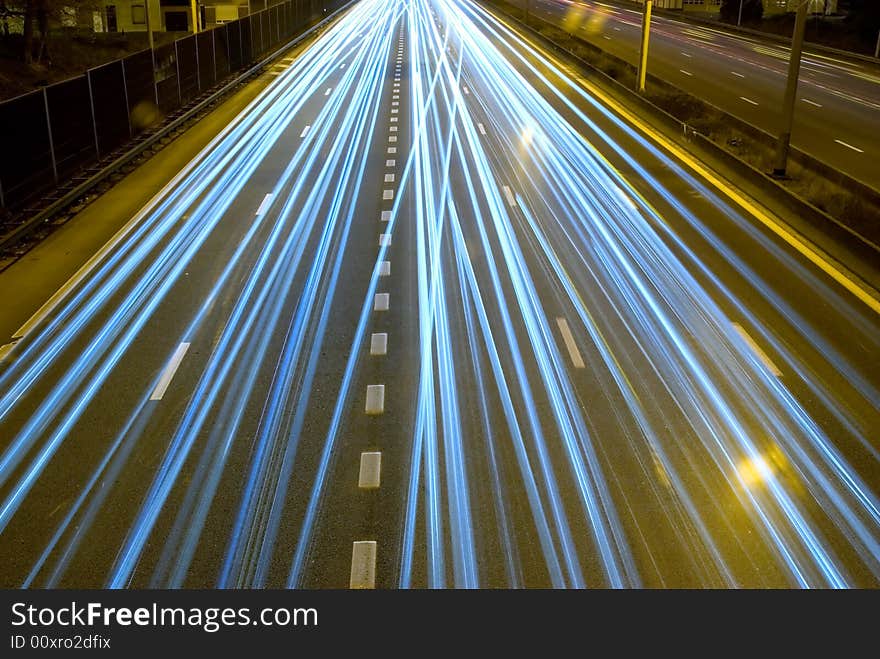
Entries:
{"x":794,"y":67}
{"x":149,"y":28}
{"x":643,"y":54}
{"x":739,"y":19}
{"x":877,"y":47}
{"x":195,"y":13}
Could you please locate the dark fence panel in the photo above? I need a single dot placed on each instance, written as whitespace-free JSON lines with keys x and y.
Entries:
{"x":166,"y":78}
{"x":187,"y":68}
{"x":205,"y":48}
{"x":236,"y":54}
{"x":275,"y":22}
{"x":24,"y":133}
{"x":141,"y":90}
{"x":221,"y":51}
{"x":70,"y":115}
{"x":110,"y":107}
{"x":247,"y":48}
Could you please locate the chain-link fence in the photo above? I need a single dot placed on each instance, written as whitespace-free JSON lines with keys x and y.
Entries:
{"x":47,"y":136}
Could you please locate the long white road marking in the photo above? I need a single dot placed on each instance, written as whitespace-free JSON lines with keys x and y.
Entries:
{"x":264,"y":205}
{"x":378,"y":343}
{"x":686,"y":54}
{"x":813,"y":103}
{"x":570,"y":344}
{"x":757,"y":350}
{"x":169,"y":372}
{"x":482,"y":129}
{"x":849,"y":146}
{"x":738,"y":75}
{"x":370,"y":473}
{"x":509,"y":195}
{"x":363,"y":564}
{"x":381,"y":301}
{"x":748,"y":100}
{"x":687,"y":73}
{"x":6,"y":349}
{"x":305,"y":131}
{"x":375,"y":399}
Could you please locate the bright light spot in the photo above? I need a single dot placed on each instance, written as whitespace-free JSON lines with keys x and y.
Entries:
{"x":527,"y":136}
{"x":755,"y":471}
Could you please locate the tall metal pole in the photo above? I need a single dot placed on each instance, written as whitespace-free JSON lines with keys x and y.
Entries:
{"x":195,"y":13}
{"x":149,"y":27}
{"x":877,"y":47}
{"x":739,"y":18}
{"x":643,"y":55}
{"x":794,"y":67}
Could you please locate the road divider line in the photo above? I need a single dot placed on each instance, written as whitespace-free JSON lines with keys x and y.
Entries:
{"x":370,"y":474}
{"x":748,"y":100}
{"x":6,"y":349}
{"x":379,"y":343}
{"x":363,"y":565}
{"x":375,"y":399}
{"x":738,"y":75}
{"x":386,"y":216}
{"x":168,"y":373}
{"x":482,"y":129}
{"x":387,"y":194}
{"x":327,"y":92}
{"x":849,"y":146}
{"x":813,"y":103}
{"x":391,"y":163}
{"x":264,"y":205}
{"x":384,"y":240}
{"x":305,"y":131}
{"x":389,"y":178}
{"x":755,"y":348}
{"x":381,"y":301}
{"x":570,"y":344}
{"x":384,"y":268}
{"x":687,"y":73}
{"x":509,"y":195}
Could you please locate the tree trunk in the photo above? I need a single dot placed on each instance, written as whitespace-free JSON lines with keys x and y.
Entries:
{"x":29,"y":11}
{"x":43,"y":24}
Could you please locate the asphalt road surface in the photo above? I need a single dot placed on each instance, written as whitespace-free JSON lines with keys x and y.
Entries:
{"x":432,"y":313}
{"x":837,"y":111}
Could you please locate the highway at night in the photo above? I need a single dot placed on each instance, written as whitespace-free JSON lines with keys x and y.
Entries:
{"x":434,"y":311}
{"x":838,"y":102}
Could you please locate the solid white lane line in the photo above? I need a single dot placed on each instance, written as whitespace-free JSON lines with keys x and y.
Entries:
{"x":381,"y":301}
{"x":482,"y":129}
{"x":738,"y":75}
{"x":806,"y":100}
{"x":570,"y":344}
{"x":687,"y":73}
{"x":849,"y":146}
{"x":327,"y":93}
{"x":375,"y":399}
{"x":384,"y":240}
{"x":386,"y":216}
{"x":363,"y":565}
{"x":379,"y":343}
{"x":387,"y":194}
{"x":370,"y":472}
{"x":384,"y":268}
{"x":264,"y":205}
{"x":169,"y":372}
{"x":748,"y":100}
{"x":305,"y":131}
{"x":509,"y":195}
{"x":6,"y":349}
{"x":757,"y":350}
